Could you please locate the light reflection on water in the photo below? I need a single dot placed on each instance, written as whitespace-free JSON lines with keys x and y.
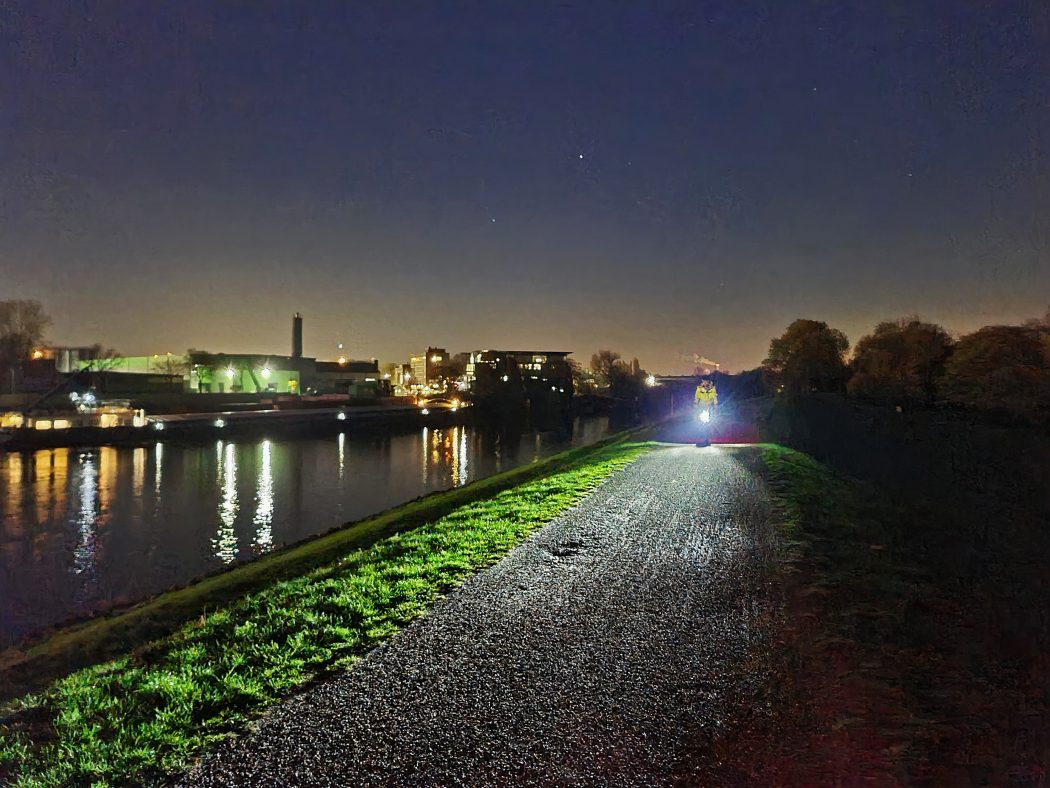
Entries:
{"x":158,"y":464}
{"x":82,"y":528}
{"x":264,"y":498}
{"x":87,"y":514}
{"x":225,"y":542}
{"x":138,"y":459}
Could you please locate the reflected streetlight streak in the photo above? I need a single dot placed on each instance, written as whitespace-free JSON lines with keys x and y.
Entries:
{"x":264,"y":500}
{"x":341,"y":444}
{"x":453,"y":456}
{"x":225,"y":542}
{"x":426,"y":454}
{"x":138,"y":471}
{"x":44,"y":483}
{"x":87,"y":515}
{"x":464,"y":462}
{"x":458,"y":441}
{"x":107,"y":477}
{"x":158,"y":462}
{"x":12,"y":491}
{"x":14,"y":480}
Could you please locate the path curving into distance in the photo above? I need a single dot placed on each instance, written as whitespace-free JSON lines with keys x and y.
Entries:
{"x":606,"y":649}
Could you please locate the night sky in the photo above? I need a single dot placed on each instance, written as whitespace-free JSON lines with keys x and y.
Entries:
{"x":648,"y":177}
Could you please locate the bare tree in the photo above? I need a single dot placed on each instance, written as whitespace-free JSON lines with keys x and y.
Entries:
{"x":604,"y":366}
{"x":103,"y":359}
{"x":582,"y":377}
{"x":172,"y":365}
{"x":22,"y":326}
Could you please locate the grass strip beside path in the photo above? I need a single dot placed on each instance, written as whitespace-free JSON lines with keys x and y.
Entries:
{"x":902,"y":667}
{"x":145,"y":715}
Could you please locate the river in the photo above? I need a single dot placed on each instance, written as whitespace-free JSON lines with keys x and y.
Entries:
{"x":86,"y":529}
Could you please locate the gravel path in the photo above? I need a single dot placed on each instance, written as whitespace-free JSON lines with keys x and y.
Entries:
{"x":597,"y":652}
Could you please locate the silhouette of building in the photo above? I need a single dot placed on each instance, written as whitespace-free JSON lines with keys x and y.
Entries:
{"x":424,"y":367}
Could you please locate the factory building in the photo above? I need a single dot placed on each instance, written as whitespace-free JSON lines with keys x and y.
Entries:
{"x":235,"y":373}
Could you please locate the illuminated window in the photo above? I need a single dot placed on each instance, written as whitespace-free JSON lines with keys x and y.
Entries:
{"x":12,"y":419}
{"x":43,"y":424}
{"x":106,"y":420}
{"x":61,"y":424}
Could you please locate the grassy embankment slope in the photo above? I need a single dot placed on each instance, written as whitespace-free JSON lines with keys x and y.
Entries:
{"x":902,"y":664}
{"x":147,"y":713}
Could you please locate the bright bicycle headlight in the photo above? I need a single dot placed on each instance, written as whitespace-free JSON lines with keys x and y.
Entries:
{"x":705,"y":416}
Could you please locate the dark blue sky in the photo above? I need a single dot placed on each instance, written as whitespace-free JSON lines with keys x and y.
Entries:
{"x":651,"y":177}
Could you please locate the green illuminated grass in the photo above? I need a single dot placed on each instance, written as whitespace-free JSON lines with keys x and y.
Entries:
{"x":145,"y":715}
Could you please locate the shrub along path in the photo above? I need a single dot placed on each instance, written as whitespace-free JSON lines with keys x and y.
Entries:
{"x":597,"y":652}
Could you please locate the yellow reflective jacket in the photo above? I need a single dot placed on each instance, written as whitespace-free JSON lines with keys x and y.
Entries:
{"x":708,"y":396}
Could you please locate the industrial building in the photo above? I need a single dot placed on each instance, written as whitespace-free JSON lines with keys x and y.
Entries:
{"x":233,"y":373}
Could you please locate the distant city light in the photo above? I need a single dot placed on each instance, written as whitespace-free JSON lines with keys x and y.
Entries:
{"x":266,"y":372}
{"x":229,"y":372}
{"x":342,"y":359}
{"x":506,"y":378}
{"x":341,"y":416}
{"x":220,"y":423}
{"x":158,"y":425}
{"x":651,"y":380}
{"x":38,"y":354}
{"x":435,"y":359}
{"x":425,"y":411}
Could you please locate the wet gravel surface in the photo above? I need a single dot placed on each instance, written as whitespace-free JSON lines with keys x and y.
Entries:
{"x":599,"y":651}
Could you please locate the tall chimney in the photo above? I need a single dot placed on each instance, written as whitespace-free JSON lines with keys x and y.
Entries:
{"x":297,"y":335}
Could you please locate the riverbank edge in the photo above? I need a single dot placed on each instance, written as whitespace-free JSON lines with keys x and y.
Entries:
{"x":55,"y":653}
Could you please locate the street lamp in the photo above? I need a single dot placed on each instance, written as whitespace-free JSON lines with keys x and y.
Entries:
{"x":651,"y":380}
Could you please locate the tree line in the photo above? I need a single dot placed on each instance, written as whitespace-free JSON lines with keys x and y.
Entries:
{"x":999,"y":368}
{"x":609,"y":373}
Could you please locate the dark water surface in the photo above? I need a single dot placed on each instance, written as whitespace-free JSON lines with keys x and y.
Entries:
{"x":85,"y":528}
